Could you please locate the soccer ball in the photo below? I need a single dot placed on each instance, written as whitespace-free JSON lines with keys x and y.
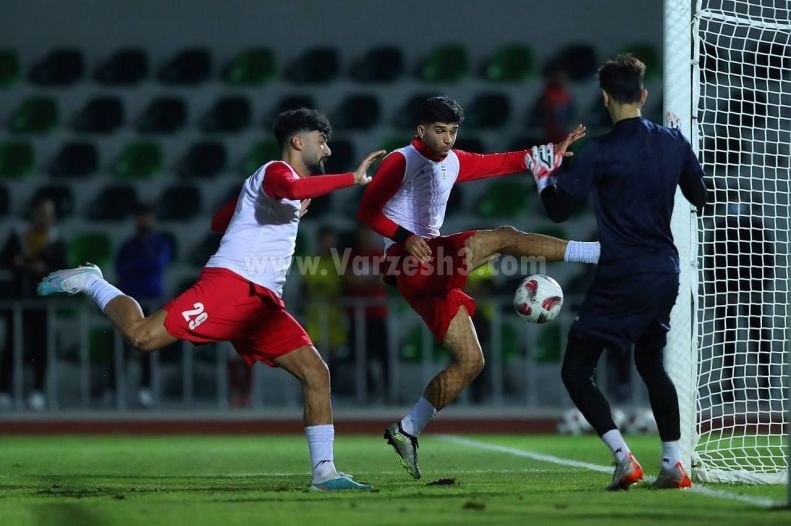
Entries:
{"x":642,"y":421}
{"x":538,"y":299}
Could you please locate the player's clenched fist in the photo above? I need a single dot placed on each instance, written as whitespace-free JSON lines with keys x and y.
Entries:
{"x":361,"y":173}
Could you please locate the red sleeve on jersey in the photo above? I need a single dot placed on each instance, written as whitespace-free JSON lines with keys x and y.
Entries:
{"x":281,"y":183}
{"x":474,"y":166}
{"x":222,"y":217}
{"x":385,"y":184}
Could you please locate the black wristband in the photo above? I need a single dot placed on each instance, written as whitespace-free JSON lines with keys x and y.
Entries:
{"x":401,"y":235}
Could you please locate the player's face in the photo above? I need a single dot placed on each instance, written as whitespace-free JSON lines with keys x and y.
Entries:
{"x":315,"y":151}
{"x":438,"y":136}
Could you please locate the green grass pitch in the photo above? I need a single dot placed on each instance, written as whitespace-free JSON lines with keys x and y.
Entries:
{"x":225,"y":480}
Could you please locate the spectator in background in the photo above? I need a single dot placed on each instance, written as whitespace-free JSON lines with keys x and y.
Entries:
{"x":363,"y":281}
{"x":325,"y":320}
{"x":554,"y":109}
{"x":140,"y":267}
{"x":31,"y":252}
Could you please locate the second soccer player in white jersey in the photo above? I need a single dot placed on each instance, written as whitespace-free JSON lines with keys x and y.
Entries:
{"x":238,"y":296}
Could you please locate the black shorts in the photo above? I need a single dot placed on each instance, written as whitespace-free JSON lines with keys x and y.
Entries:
{"x":618,"y":312}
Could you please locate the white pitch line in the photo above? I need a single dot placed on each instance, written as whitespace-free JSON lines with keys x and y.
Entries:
{"x":763,"y":502}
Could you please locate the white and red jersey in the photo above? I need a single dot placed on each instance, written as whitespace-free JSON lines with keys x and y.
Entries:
{"x":260,"y":225}
{"x":411,"y":190}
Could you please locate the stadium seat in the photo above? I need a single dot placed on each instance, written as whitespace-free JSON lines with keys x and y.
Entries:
{"x":34,"y":115}
{"x":250,"y":67}
{"x":75,"y":159}
{"x":188,"y":67}
{"x":125,"y":67}
{"x":17,"y":160}
{"x":579,"y":61}
{"x":179,"y":203}
{"x":511,"y":63}
{"x":381,"y":64}
{"x":204,"y":159}
{"x":288,"y":102}
{"x":259,"y":153}
{"x":94,"y":247}
{"x":114,"y":203}
{"x":205,"y":249}
{"x":357,"y":112}
{"x":488,"y":110}
{"x":61,"y":67}
{"x":449,"y":63}
{"x":102,"y":114}
{"x":5,"y":201}
{"x":316,"y":65}
{"x":163,"y":115}
{"x":408,"y":114}
{"x":139,"y":160}
{"x":61,"y":194}
{"x":650,"y":55}
{"x":502,"y":199}
{"x":343,"y":157}
{"x":9,"y":67}
{"x":227,"y":115}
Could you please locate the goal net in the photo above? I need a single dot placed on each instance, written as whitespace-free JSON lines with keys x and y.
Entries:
{"x":740,"y":123}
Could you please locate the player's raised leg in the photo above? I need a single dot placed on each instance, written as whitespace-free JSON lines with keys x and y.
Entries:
{"x":485,"y":244}
{"x":467,"y":363}
{"x":143,"y":333}
{"x":307,"y":366}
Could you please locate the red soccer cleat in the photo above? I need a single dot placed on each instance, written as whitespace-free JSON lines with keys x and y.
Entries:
{"x":672,"y":478}
{"x":627,"y":472}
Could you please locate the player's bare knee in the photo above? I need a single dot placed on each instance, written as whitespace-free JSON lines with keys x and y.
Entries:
{"x":473,"y":363}
{"x":316,"y":374}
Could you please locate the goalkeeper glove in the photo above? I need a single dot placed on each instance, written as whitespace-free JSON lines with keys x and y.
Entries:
{"x":542,"y":161}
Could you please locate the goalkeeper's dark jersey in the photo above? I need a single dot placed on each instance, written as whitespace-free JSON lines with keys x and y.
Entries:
{"x":633,"y":172}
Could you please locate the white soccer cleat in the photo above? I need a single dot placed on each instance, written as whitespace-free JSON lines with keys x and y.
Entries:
{"x":70,"y":281}
{"x":627,"y":472}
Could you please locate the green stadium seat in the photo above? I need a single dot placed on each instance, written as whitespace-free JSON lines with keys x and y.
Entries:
{"x":61,"y":67}
{"x":408,"y":114}
{"x":357,"y":112}
{"x":102,"y":114}
{"x":163,"y":115}
{"x":259,"y":153}
{"x":139,"y":160}
{"x":17,"y":160}
{"x":61,"y":194}
{"x":649,"y":55}
{"x":393,"y":143}
{"x":179,"y":203}
{"x":489,"y":110}
{"x":227,"y":115}
{"x":114,"y":203}
{"x":36,"y":114}
{"x":187,"y":68}
{"x":250,"y":67}
{"x":316,"y":65}
{"x":449,"y":63}
{"x":579,"y":61}
{"x":94,"y":247}
{"x":9,"y":67}
{"x":503,"y":199}
{"x":75,"y":159}
{"x":204,"y":159}
{"x":125,"y":67}
{"x":548,"y":344}
{"x":511,"y":63}
{"x":381,"y":64}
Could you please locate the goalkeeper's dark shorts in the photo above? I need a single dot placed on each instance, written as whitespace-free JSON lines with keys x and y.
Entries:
{"x":618,"y":312}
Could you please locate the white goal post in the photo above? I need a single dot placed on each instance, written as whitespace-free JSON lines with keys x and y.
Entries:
{"x":727,"y":86}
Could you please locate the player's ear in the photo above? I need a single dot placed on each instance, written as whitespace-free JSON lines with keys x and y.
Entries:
{"x":421,"y":130}
{"x":605,"y":98}
{"x":643,"y":96}
{"x":297,"y":143}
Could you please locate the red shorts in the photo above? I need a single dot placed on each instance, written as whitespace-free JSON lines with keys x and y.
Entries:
{"x":435,"y":290}
{"x":224,"y":306}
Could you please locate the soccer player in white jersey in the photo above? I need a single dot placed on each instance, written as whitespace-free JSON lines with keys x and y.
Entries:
{"x":238,"y":295}
{"x":406,"y":204}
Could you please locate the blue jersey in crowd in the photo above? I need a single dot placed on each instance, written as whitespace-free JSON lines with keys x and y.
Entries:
{"x":141,"y":266}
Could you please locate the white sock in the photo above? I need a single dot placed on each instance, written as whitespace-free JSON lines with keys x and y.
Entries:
{"x":320,"y":441}
{"x":616,"y":443}
{"x":670,"y":454}
{"x":102,"y":292}
{"x":582,"y":251}
{"x":417,"y":419}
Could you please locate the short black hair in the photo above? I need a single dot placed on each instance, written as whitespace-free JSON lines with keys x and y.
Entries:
{"x":292,"y":122}
{"x":622,"y":78}
{"x":440,"y":109}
